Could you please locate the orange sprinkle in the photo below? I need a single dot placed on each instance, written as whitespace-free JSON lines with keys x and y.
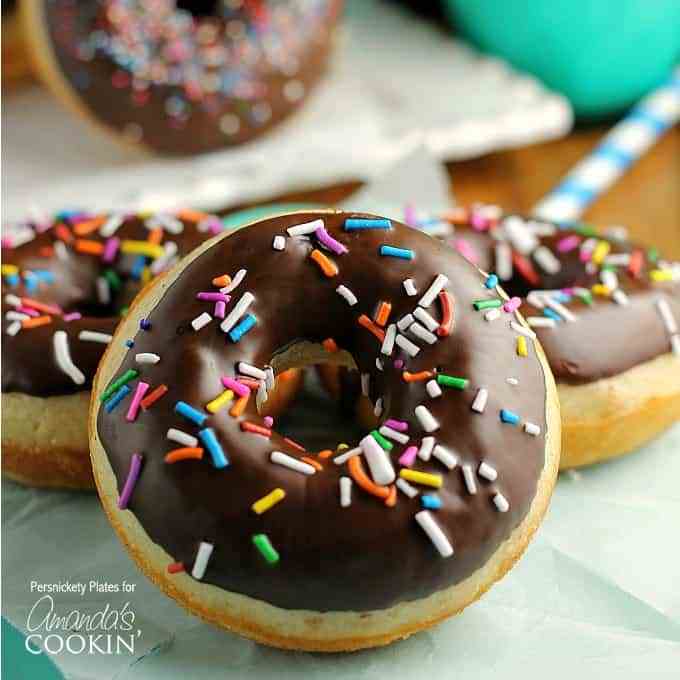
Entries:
{"x":326,"y":453}
{"x":186,"y":453}
{"x":192,"y":215}
{"x":328,"y":267}
{"x":47,"y":251}
{"x":286,"y":375}
{"x":36,"y":321}
{"x":457,"y":216}
{"x":239,"y":407}
{"x":155,"y":236}
{"x":637,"y":258}
{"x":446,"y":323}
{"x":391,"y":500}
{"x":175,"y":567}
{"x":249,"y":382}
{"x":88,"y":226}
{"x":89,"y":247}
{"x":295,"y":445}
{"x":416,"y":377}
{"x":330,"y":345}
{"x":40,"y":306}
{"x":63,"y":233}
{"x":255,"y":428}
{"x":314,"y":463}
{"x":369,"y":325}
{"x":356,"y":470}
{"x":383,"y":313}
{"x":153,"y":397}
{"x":221,"y":281}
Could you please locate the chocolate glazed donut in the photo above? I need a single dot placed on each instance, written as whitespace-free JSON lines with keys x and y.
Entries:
{"x":65,"y":284}
{"x":182,"y":77}
{"x":330,"y":550}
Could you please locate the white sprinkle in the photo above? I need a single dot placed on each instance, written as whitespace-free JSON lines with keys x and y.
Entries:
{"x":250,"y":370}
{"x":667,"y":315}
{"x":523,"y":330}
{"x":21,"y":236}
{"x":103,"y":291}
{"x":521,"y":238}
{"x":546,"y":260}
{"x":365,"y":383}
{"x":440,"y":282}
{"x":405,"y":322}
{"x":388,"y":343}
{"x":426,"y":447}
{"x":379,"y":363}
{"x":609,"y":279}
{"x":181,"y":438}
{"x":261,"y":395}
{"x":60,"y":250}
{"x":426,"y":419}
{"x":425,"y":318}
{"x":469,"y":479}
{"x":16,"y":316}
{"x":558,"y":307}
{"x":269,"y":377}
{"x":433,"y":389}
{"x":536,"y":298}
{"x":13,"y":328}
{"x":345,"y":492}
{"x":479,"y":402}
{"x":492,"y":314}
{"x":410,"y":348}
{"x":167,"y":222}
{"x":410,"y":287}
{"x":675,"y":344}
{"x":422,"y":333}
{"x":111,"y":226}
{"x":12,"y":300}
{"x":94,"y":336}
{"x":487,"y":471}
{"x":512,"y":381}
{"x":291,"y":463}
{"x":618,"y":259}
{"x":406,"y":488}
{"x":532,"y":429}
{"x":445,"y":457}
{"x":344,"y":457}
{"x":388,"y":432}
{"x":235,"y":282}
{"x":501,"y":502}
{"x":434,"y":533}
{"x":378,"y":461}
{"x":541,"y":228}
{"x":63,"y":357}
{"x":202,"y":559}
{"x":305,"y":228}
{"x":166,"y":260}
{"x":541,"y":322}
{"x":346,"y":293}
{"x":620,"y":297}
{"x":238,"y":311}
{"x":378,"y":408}
{"x":503,"y":261}
{"x":201,"y":321}
{"x":279,"y":242}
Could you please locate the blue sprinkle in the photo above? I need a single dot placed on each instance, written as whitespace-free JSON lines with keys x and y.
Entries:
{"x":561,"y":297}
{"x":145,"y":324}
{"x":44,"y":275}
{"x":12,"y":280}
{"x":242,"y":328}
{"x":190,"y":413}
{"x":431,"y":502}
{"x":391,"y":251}
{"x":362,"y":223}
{"x":551,"y":314}
{"x":491,"y":281}
{"x":117,"y":398}
{"x":130,"y":343}
{"x":509,"y":417}
{"x":210,"y":440}
{"x":138,"y":267}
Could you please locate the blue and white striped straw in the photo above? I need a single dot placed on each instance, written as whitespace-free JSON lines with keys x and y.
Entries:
{"x":621,"y":147}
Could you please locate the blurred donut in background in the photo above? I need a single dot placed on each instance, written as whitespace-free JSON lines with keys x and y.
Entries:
{"x":15,"y":62}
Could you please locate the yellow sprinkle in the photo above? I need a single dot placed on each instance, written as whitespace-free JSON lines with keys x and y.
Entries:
{"x":142,"y":248}
{"x":9,"y":269}
{"x":601,"y":251}
{"x":522,"y":346}
{"x":146,"y":275}
{"x":601,"y":289}
{"x":342,"y":447}
{"x":423,"y":478}
{"x":268,"y":501}
{"x":661,"y":275}
{"x":144,"y":214}
{"x":219,"y":402}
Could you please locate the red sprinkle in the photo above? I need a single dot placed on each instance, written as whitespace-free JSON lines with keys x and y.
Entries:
{"x":153,"y":396}
{"x":295,"y":445}
{"x":175,"y":567}
{"x":637,"y":258}
{"x":526,"y":269}
{"x":255,"y":429}
{"x":446,"y":324}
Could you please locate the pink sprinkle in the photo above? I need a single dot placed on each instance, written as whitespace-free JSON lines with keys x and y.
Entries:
{"x":512,"y":305}
{"x":133,"y":475}
{"x":410,"y":216}
{"x":213,"y":297}
{"x":330,"y":243}
{"x":6,"y":242}
{"x":466,"y":250}
{"x":137,"y":397}
{"x":220,"y":309}
{"x":568,"y":291}
{"x":568,"y":243}
{"x":28,"y":310}
{"x":110,"y":249}
{"x":398,"y":425}
{"x":399,"y":364}
{"x":409,"y":456}
{"x":215,"y":227}
{"x":73,"y":316}
{"x":268,"y":421}
{"x":235,"y":386}
{"x":479,"y":222}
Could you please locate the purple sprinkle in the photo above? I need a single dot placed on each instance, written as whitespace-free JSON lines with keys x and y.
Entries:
{"x":409,"y":456}
{"x":72,"y":316}
{"x":110,"y":249}
{"x":220,"y":309}
{"x":133,"y":474}
{"x":330,"y":243}
{"x":268,"y":421}
{"x":399,"y":364}
{"x":145,"y":324}
{"x":398,"y":425}
{"x":215,"y":227}
{"x":213,"y":297}
{"x":568,"y":243}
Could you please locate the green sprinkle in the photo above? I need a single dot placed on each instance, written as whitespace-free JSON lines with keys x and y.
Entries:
{"x":585,"y":230}
{"x":452,"y":381}
{"x":113,"y":279}
{"x":652,"y":254}
{"x":267,"y":550}
{"x":129,"y":375}
{"x":387,"y":445}
{"x":487,"y":304}
{"x":586,"y":296}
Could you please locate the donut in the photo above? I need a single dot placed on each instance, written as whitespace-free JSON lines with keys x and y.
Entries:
{"x":182,"y":78}
{"x":15,"y":62}
{"x":65,"y":283}
{"x":338,"y":549}
{"x":605,"y":310}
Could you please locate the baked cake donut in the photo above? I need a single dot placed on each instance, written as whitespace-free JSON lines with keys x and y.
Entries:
{"x":182,"y":77}
{"x":65,"y":283}
{"x":15,"y":61}
{"x":605,"y":310}
{"x":330,"y":550}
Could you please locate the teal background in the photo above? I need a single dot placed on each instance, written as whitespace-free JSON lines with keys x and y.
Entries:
{"x":602,"y":54}
{"x":18,"y":664}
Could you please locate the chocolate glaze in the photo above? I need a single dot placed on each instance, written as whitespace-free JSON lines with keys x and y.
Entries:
{"x":167,"y":118}
{"x":367,"y":556}
{"x":28,"y":361}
